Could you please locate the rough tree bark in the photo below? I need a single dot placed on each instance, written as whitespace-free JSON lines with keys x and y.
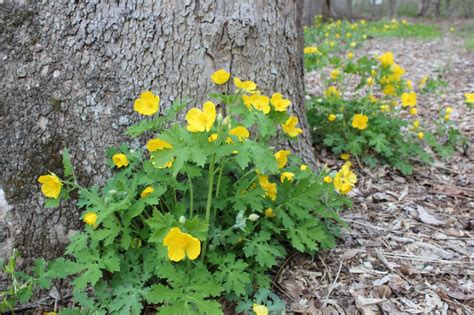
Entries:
{"x":71,"y":70}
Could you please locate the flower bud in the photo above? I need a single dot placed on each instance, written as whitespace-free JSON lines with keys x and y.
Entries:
{"x":182,"y":219}
{"x":226,"y":122}
{"x":253,"y":217}
{"x":112,"y":192}
{"x":219,"y":117}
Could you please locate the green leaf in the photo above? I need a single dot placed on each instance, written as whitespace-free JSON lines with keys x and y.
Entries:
{"x":52,"y":202}
{"x":188,"y":293}
{"x":197,"y":227}
{"x":160,"y":224}
{"x":91,"y":275}
{"x":232,"y":274}
{"x":263,"y":249}
{"x":68,"y":169}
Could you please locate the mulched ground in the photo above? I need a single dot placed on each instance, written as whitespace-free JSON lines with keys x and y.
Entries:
{"x":410,"y":245}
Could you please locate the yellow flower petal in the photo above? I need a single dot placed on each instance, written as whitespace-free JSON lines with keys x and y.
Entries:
{"x":181,"y":244}
{"x":359,"y":121}
{"x":201,"y":120}
{"x":120,"y":160}
{"x":220,"y":76}
{"x":282,"y":157}
{"x":289,"y":127}
{"x":90,"y":218}
{"x":260,"y":309}
{"x":147,"y":104}
{"x":157,"y":144}
{"x":147,"y":191}
{"x":51,"y":185}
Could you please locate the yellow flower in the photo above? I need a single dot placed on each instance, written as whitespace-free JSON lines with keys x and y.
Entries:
{"x":423,"y":81}
{"x":348,"y":35}
{"x":448,"y":110}
{"x":289,"y":127}
{"x":201,"y":120}
{"x":389,"y":90}
{"x":397,"y":73}
{"x":469,"y":97}
{"x":51,"y":185}
{"x":372,"y":98}
{"x":345,"y":179}
{"x":181,"y":244}
{"x":446,"y":117}
{"x":260,"y":309}
{"x":50,"y":313}
{"x":120,"y":160}
{"x":269,"y":213}
{"x":240,"y":132}
{"x":282,"y":157}
{"x":409,"y":99}
{"x":332,"y":92}
{"x":327,"y":179}
{"x":303,"y":167}
{"x":287,"y":176}
{"x":413,"y":111}
{"x":345,"y":156}
{"x":147,"y":191}
{"x":248,"y":86}
{"x":370,"y":81}
{"x":332,"y":117}
{"x":90,"y":218}
{"x":269,"y":188}
{"x":420,"y":135}
{"x":220,"y":76}
{"x":157,"y":144}
{"x":279,"y":102}
{"x":416,"y":124}
{"x":452,"y":29}
{"x":359,"y":121}
{"x":261,"y":103}
{"x":350,"y":55}
{"x":247,"y":101}
{"x":353,"y":44}
{"x":384,"y":108}
{"x":147,"y":104}
{"x":166,"y":165}
{"x":409,"y":84}
{"x":212,"y":137}
{"x":387,"y":59}
{"x":311,"y":50}
{"x":334,"y":74}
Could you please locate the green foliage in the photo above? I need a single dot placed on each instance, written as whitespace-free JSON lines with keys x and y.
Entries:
{"x":393,"y":133}
{"x":211,"y":188}
{"x":21,"y":285}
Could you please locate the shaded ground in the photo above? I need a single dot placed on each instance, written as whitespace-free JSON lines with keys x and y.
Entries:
{"x":410,"y":246}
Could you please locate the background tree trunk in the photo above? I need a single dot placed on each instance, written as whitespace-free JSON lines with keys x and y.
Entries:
{"x":71,"y":70}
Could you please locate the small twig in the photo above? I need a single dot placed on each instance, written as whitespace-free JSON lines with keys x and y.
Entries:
{"x":333,"y":285}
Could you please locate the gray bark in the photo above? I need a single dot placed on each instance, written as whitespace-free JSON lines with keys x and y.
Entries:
{"x":313,"y":8}
{"x":341,"y":9}
{"x":71,"y":70}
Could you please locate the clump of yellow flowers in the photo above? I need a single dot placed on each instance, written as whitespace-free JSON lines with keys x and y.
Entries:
{"x":198,"y":202}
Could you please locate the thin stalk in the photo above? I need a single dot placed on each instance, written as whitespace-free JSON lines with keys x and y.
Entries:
{"x":209,"y":199}
{"x":191,"y":194}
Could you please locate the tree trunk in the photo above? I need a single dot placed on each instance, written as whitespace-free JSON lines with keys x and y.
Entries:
{"x":71,"y":70}
{"x":340,"y":9}
{"x":311,"y":9}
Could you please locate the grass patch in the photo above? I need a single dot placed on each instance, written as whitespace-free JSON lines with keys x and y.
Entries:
{"x":467,"y":31}
{"x":389,"y":29}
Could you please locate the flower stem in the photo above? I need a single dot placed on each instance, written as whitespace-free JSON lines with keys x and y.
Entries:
{"x":209,"y":199}
{"x":191,"y":194}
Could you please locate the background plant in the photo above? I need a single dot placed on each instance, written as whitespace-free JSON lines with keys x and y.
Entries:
{"x":392,"y":131}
